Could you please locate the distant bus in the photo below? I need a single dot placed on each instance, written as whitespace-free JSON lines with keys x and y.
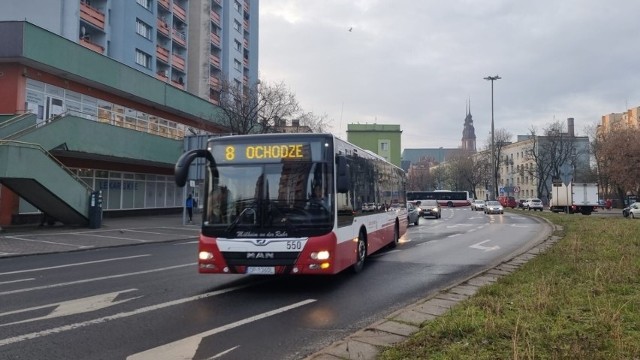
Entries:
{"x":444,"y":197}
{"x":294,"y":204}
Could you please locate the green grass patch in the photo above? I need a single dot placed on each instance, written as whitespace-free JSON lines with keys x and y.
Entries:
{"x":579,"y":300}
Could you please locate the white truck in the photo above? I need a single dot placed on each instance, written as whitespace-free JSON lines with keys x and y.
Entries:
{"x":575,"y":197}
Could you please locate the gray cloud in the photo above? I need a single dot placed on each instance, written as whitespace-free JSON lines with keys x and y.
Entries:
{"x":415,"y":63}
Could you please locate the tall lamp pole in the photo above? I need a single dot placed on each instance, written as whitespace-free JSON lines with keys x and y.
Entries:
{"x":494,"y":177}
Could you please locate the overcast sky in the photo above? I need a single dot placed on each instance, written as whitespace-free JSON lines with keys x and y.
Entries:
{"x":416,"y":63}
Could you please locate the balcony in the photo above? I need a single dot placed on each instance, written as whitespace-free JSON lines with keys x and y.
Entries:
{"x":89,"y":45}
{"x":246,"y":25}
{"x":179,"y":12}
{"x":164,"y":3}
{"x":162,"y":76}
{"x":215,"y":39}
{"x":246,"y":43}
{"x":214,"y":60}
{"x":245,"y":6}
{"x":177,"y":83}
{"x":162,"y":54}
{"x":177,"y":62}
{"x":91,"y":15}
{"x":214,"y":82}
{"x":179,"y":37}
{"x":245,"y":62}
{"x":215,"y":17}
{"x":163,"y":27}
{"x":245,"y":80}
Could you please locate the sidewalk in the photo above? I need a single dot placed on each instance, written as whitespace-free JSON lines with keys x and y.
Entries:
{"x":33,"y":239}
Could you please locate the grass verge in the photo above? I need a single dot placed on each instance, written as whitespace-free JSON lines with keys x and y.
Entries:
{"x":579,"y":300}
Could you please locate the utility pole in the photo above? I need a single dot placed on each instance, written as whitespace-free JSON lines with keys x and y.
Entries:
{"x":494,"y":173}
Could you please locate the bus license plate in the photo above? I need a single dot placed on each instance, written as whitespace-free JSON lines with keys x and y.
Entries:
{"x":261,"y":270}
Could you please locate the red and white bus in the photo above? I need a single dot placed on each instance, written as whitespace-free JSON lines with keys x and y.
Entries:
{"x":293,"y":204}
{"x":444,"y":197}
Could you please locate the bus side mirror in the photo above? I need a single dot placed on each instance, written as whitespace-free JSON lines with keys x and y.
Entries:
{"x":343,"y":180}
{"x":181,"y":170}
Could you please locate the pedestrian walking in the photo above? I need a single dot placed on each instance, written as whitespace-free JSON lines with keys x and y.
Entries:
{"x":189,"y":205}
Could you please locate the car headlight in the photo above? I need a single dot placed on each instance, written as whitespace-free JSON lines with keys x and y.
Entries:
{"x":434,"y":209}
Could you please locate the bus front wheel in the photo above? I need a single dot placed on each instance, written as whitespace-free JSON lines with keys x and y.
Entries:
{"x":396,"y":236}
{"x":361,"y":253}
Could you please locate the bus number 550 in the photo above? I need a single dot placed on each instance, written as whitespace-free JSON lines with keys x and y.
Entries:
{"x":294,"y":245}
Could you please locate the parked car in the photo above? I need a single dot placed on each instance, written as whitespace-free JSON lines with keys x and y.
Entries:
{"x":493,"y":207}
{"x":534,"y":204}
{"x":634,"y":210}
{"x":368,"y":207}
{"x":414,"y":214}
{"x":521,"y":203}
{"x":508,"y":201}
{"x":431,"y":208}
{"x":477,"y":205}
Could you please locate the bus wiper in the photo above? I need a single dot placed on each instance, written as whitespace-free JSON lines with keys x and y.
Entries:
{"x":245,"y":212}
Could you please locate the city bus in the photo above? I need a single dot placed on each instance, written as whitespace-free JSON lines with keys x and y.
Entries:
{"x":444,"y":197}
{"x":277,"y":204}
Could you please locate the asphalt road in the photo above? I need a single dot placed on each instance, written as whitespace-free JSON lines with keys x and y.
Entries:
{"x":148,"y":302}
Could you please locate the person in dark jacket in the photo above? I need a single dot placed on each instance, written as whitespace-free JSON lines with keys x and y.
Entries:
{"x":189,"y":205}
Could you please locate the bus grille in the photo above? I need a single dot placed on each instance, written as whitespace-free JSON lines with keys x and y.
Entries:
{"x":260,"y":258}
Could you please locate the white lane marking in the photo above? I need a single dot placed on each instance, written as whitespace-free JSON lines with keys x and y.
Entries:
{"x":186,"y":348}
{"x":479,"y":246}
{"x":15,"y":281}
{"x":74,"y":264}
{"x":4,"y":253}
{"x":94,"y":279}
{"x":47,"y":242}
{"x":34,"y":335}
{"x":181,"y":228}
{"x":186,"y":243}
{"x":220,"y":354}
{"x":114,"y":237}
{"x":454,"y":235}
{"x":71,"y":307}
{"x":143,"y":232}
{"x":456,"y":225}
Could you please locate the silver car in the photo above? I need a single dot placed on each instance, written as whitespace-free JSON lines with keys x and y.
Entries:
{"x":493,"y":207}
{"x":533,"y":204}
{"x":477,"y":205}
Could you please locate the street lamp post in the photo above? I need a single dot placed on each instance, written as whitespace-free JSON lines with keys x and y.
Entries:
{"x":494,"y":177}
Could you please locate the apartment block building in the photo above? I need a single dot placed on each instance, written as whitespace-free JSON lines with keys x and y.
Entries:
{"x":193,"y":45}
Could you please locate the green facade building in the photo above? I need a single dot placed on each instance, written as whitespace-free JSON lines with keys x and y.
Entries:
{"x":382,"y":139}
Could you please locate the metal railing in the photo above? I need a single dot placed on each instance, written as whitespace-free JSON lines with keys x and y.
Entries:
{"x":23,"y":144}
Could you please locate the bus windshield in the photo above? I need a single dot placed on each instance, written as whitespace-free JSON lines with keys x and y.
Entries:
{"x":270,"y":200}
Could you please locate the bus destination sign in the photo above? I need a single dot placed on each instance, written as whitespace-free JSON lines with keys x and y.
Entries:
{"x":243,"y":153}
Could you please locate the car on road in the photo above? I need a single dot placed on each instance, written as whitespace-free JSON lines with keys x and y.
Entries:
{"x":414,"y":214}
{"x":477,"y":205}
{"x":431,"y":208}
{"x":493,"y":207}
{"x":625,"y":211}
{"x":634,"y":210}
{"x":508,"y":201}
{"x":534,"y":204}
{"x":521,"y":203}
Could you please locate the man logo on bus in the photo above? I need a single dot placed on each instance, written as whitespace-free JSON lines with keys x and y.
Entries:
{"x":261,"y":242}
{"x":260,"y":255}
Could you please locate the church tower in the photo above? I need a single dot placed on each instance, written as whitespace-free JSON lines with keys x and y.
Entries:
{"x":469,"y":132}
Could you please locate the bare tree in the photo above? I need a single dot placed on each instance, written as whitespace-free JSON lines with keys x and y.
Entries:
{"x":619,"y":158}
{"x":316,"y":123}
{"x":501,"y":139}
{"x":552,"y":154}
{"x":258,"y":108}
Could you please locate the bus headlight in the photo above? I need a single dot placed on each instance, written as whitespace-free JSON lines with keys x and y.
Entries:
{"x":320,"y":255}
{"x":205,"y":255}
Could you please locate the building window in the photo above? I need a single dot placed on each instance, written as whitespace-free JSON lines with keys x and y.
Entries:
{"x":237,"y":65}
{"x":237,"y":6}
{"x":236,"y":25}
{"x":143,"y":59}
{"x":238,"y":45}
{"x":143,"y":29}
{"x":144,"y":3}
